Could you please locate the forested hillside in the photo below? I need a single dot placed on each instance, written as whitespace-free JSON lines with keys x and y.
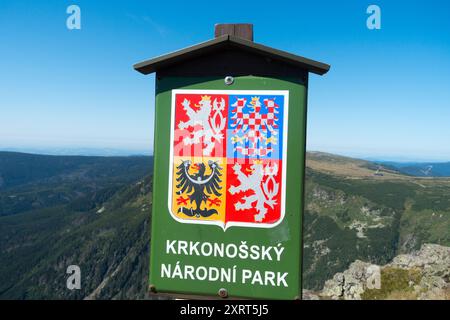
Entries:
{"x":95,"y":213}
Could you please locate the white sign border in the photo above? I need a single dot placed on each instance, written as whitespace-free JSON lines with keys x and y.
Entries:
{"x":221,"y":224}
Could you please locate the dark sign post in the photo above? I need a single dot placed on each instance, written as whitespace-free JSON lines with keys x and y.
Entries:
{"x":229,"y":159}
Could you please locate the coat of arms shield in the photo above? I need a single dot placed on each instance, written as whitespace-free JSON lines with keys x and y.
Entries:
{"x":228,"y":157}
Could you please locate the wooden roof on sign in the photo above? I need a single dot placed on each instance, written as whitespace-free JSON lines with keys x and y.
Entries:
{"x":230,"y":42}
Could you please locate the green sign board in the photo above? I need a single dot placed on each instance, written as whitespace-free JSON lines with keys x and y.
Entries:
{"x":229,"y":159}
{"x":228,"y":217}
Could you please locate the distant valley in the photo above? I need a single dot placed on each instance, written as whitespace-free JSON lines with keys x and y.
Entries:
{"x":95,"y":212}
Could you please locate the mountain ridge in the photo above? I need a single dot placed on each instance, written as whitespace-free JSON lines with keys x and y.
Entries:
{"x":100,"y":220}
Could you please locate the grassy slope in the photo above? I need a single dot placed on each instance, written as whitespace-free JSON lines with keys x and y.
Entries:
{"x":353,"y":214}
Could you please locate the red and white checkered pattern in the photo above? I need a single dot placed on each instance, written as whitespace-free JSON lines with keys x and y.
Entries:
{"x":254,"y":124}
{"x":254,"y":120}
{"x":262,"y":152}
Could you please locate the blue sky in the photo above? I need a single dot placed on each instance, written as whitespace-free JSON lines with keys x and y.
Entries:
{"x":386,"y":96}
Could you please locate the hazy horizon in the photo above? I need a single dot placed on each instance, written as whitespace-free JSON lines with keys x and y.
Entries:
{"x":107,"y":151}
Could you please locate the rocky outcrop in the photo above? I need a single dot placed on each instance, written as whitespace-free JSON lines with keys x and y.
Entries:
{"x":434,"y":262}
{"x":424,"y":274}
{"x":429,"y":257}
{"x":310,"y":295}
{"x":348,"y":285}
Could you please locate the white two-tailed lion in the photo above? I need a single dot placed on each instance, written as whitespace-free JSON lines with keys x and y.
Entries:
{"x":255,"y":181}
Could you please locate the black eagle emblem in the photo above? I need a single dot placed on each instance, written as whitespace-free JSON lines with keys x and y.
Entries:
{"x":195,"y":186}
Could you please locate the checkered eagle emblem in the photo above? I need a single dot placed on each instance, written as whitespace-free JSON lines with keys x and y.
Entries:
{"x":258,"y":129}
{"x":228,"y":157}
